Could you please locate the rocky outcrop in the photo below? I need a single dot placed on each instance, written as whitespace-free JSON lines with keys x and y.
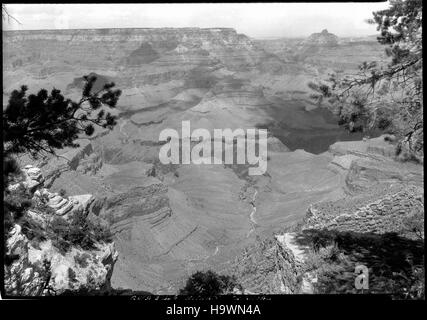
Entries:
{"x":363,"y":215}
{"x":41,"y":269}
{"x":371,"y":162}
{"x":33,"y":178}
{"x":375,"y":148}
{"x":323,"y":38}
{"x":381,"y":192}
{"x":38,"y":266}
{"x":274,"y":266}
{"x":288,"y":269}
{"x":267,"y":267}
{"x":317,"y":48}
{"x":289,"y":241}
{"x":364,"y":174}
{"x":62,"y":206}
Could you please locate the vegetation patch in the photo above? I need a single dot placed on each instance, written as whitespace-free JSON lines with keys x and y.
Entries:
{"x":207,"y":284}
{"x":395,"y":264}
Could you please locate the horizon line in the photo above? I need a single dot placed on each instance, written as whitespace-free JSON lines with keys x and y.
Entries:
{"x":200,"y":28}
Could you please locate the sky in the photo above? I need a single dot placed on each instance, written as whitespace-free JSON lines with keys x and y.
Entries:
{"x":257,"y":20}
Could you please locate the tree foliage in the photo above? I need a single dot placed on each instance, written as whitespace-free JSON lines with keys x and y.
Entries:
{"x":15,"y":204}
{"x":7,"y":16}
{"x":208,"y":284}
{"x":396,"y":264}
{"x":80,"y":231}
{"x":386,"y":96}
{"x":40,"y":123}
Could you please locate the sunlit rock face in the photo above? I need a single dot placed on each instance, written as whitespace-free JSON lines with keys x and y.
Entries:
{"x":70,"y":271}
{"x":62,"y":206}
{"x":38,"y":266}
{"x":380,"y":212}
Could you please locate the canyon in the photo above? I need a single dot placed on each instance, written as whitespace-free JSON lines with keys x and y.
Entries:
{"x":169,"y":221}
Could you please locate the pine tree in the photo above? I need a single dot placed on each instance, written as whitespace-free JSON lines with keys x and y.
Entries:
{"x":388,"y":97}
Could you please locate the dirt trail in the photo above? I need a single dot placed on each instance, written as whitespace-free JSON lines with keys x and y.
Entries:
{"x":252,"y":214}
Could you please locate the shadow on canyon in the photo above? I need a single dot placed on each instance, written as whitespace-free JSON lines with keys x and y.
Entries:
{"x":390,"y":259}
{"x":311,"y":130}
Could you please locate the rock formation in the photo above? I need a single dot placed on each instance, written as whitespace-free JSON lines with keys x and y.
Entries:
{"x":358,"y":214}
{"x":267,"y":267}
{"x":144,"y":54}
{"x":381,"y":190}
{"x":323,"y":38}
{"x":382,"y":205}
{"x":75,"y":270}
{"x":38,"y":266}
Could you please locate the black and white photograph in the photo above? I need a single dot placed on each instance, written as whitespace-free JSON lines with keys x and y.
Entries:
{"x":213,"y":150}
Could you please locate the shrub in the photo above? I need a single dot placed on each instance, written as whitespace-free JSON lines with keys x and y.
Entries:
{"x":41,"y":204}
{"x":80,"y":231}
{"x":71,"y":275}
{"x":396,"y":264}
{"x":59,"y":228}
{"x":208,"y":284}
{"x":32,"y":229}
{"x":81,"y":260}
{"x":414,"y":223}
{"x":15,"y":205}
{"x":62,"y":192}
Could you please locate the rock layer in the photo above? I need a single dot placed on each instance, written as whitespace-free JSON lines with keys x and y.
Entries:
{"x":357,"y":214}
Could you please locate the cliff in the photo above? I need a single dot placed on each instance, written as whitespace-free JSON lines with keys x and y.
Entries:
{"x":379,"y":224}
{"x":126,"y":47}
{"x":267,"y":267}
{"x":133,"y":58}
{"x":125,"y":34}
{"x":42,"y":260}
{"x":360,"y":214}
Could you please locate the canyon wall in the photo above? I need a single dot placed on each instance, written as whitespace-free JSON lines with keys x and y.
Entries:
{"x":171,"y":220}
